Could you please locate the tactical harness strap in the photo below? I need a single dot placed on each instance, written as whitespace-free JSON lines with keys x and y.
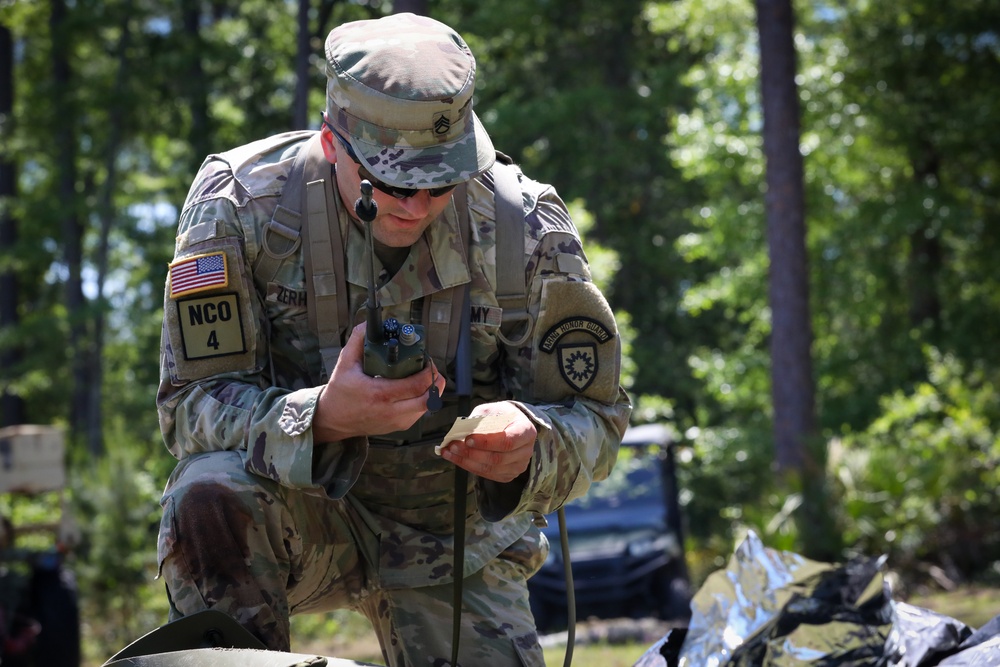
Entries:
{"x":511,"y":290}
{"x":511,"y":296}
{"x":326,"y":286}
{"x":463,"y":387}
{"x":324,"y":290}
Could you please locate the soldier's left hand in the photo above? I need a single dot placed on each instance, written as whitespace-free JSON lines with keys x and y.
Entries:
{"x":499,"y":456}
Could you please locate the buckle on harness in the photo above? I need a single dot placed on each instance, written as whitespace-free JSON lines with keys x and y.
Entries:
{"x":519,"y":315}
{"x":275,"y":228}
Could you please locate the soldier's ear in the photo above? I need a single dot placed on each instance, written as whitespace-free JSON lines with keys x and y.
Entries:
{"x":326,"y":139}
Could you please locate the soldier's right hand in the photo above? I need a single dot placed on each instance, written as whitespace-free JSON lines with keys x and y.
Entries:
{"x":354,"y":404}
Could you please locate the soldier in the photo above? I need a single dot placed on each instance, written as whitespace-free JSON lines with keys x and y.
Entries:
{"x":305,"y":485}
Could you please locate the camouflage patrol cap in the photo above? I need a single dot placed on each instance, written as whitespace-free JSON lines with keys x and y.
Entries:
{"x":399,"y":88}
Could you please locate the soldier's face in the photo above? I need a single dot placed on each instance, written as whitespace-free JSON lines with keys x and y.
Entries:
{"x":400,"y":222}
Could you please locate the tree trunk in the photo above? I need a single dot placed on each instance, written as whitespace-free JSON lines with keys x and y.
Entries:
{"x":64,"y":137}
{"x":300,"y":110}
{"x":11,"y":405}
{"x":793,"y":388}
{"x":107,"y":214}
{"x":323,"y":19}
{"x":196,"y":86}
{"x":926,"y":260}
{"x":413,"y":6}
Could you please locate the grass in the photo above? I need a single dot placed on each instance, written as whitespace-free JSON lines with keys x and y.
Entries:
{"x":354,"y":641}
{"x":972,"y":605}
{"x":597,"y":655}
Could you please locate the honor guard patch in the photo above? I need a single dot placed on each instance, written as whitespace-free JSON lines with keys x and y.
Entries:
{"x":578,"y":364}
{"x":577,"y":343}
{"x":198,"y":273}
{"x":578,"y":360}
{"x":569,"y":325}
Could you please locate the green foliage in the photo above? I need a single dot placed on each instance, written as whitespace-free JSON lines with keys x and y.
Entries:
{"x":727,"y":485}
{"x":650,"y":409}
{"x":900,"y":234}
{"x":898,"y":230}
{"x":116,"y":501}
{"x":920,"y":483}
{"x":23,"y":512}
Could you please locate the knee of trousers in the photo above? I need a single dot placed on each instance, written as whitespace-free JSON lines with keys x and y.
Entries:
{"x":218,"y":519}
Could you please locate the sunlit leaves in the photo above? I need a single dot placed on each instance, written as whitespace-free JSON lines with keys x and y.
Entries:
{"x":920,"y":481}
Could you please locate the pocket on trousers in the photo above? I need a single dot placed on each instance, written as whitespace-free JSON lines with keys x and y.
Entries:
{"x":167,"y":537}
{"x":529,"y":650}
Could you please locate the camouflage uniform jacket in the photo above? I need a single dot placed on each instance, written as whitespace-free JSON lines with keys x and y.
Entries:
{"x":241,"y":370}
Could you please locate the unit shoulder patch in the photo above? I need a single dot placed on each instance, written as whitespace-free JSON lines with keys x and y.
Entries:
{"x":578,"y":364}
{"x":211,"y":326}
{"x":208,"y":313}
{"x":577,"y":342}
{"x":578,"y":361}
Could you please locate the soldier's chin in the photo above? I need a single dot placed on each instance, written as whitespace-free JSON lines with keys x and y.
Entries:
{"x":397,"y":232}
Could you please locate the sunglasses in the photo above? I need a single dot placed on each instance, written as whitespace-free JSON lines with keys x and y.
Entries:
{"x":391,"y":190}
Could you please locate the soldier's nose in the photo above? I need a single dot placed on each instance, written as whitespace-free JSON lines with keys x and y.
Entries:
{"x":418,"y":204}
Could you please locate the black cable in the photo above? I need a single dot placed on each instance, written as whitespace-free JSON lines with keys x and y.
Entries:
{"x":463,"y":387}
{"x":570,"y":593}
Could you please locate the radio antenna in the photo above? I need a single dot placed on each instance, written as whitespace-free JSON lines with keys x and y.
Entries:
{"x":366,"y":209}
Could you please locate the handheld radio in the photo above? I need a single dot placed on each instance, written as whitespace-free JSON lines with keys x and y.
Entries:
{"x":392,"y":349}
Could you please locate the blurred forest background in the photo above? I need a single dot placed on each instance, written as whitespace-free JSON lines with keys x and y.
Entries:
{"x":648,"y":117}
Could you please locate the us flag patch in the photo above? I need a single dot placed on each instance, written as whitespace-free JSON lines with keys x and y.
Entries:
{"x":198,"y":273}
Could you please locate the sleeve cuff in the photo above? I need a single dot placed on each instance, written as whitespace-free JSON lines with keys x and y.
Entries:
{"x":498,"y":500}
{"x":288,"y":454}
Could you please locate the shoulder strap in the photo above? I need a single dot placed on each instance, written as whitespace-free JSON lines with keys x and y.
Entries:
{"x":307,"y":189}
{"x":510,"y":295}
{"x":511,"y":288}
{"x":282,"y":235}
{"x":326,"y":280}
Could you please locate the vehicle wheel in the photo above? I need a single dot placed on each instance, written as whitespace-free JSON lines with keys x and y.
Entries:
{"x":674,"y":593}
{"x":543,"y":617}
{"x":18,"y":640}
{"x":54,"y":605}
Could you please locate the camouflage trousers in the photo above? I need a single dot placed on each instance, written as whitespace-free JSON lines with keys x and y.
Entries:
{"x":242,"y":544}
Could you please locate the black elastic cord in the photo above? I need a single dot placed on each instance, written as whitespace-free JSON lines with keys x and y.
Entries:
{"x":461,"y":489}
{"x":463,"y":387}
{"x":570,"y":593}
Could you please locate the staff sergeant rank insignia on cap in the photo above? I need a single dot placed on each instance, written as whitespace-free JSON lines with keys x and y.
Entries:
{"x":441,"y":123}
{"x":577,"y":360}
